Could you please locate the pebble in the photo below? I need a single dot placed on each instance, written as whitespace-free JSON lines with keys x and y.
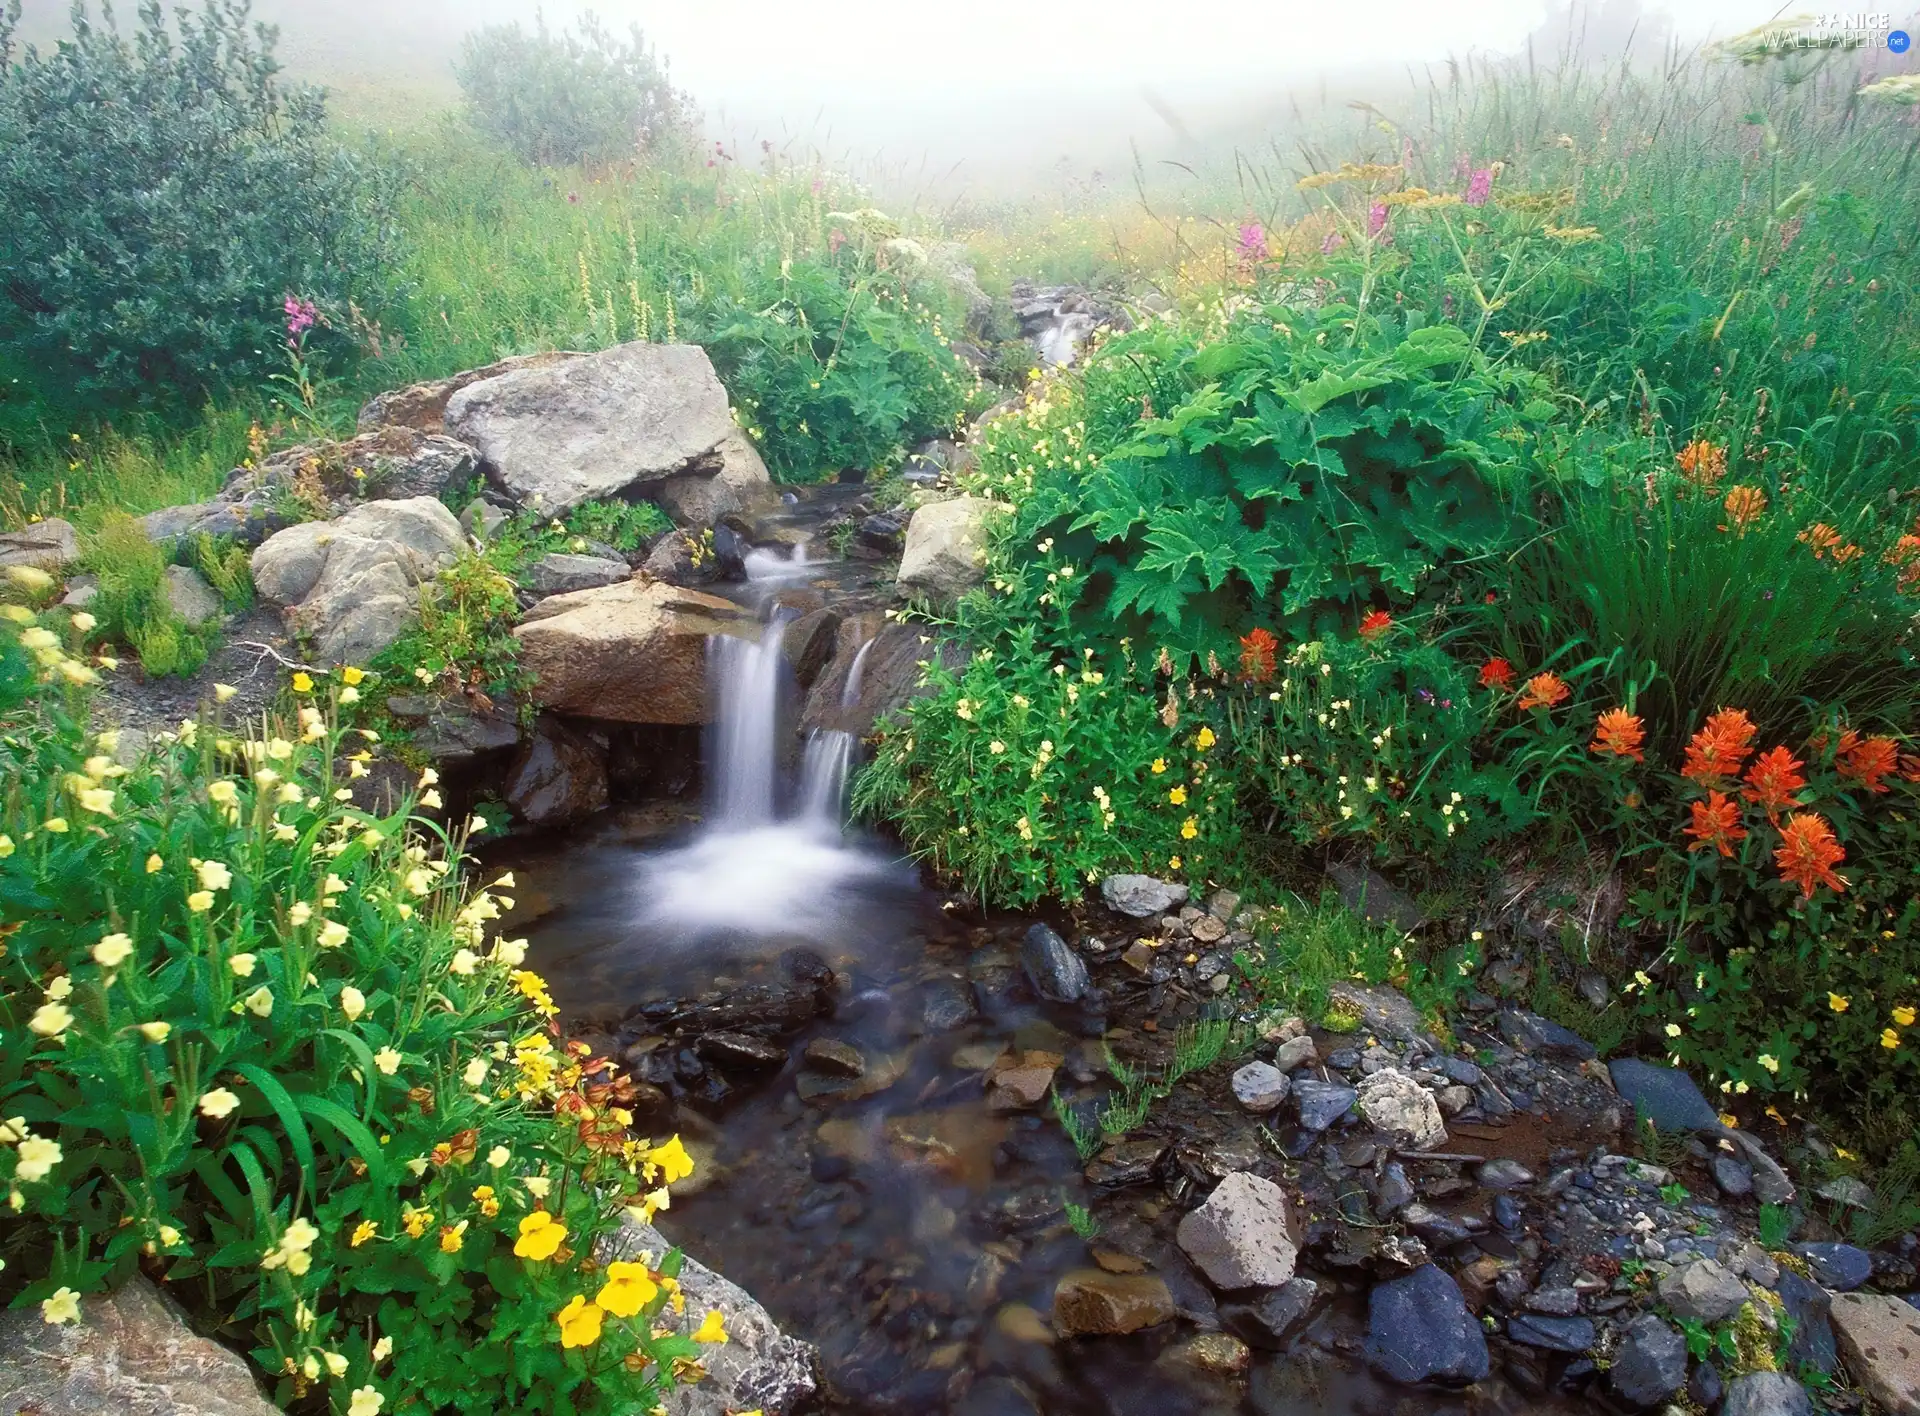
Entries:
{"x":1260,"y":1086}
{"x":1295,"y":1053}
{"x":1322,"y":1103}
{"x":1093,"y":1302}
{"x":840,"y":1059}
{"x":1553,"y":1334}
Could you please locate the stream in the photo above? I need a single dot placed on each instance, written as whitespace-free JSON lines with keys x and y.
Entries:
{"x":855,"y":1173}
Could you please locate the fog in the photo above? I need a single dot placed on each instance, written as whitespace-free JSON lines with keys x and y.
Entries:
{"x":988,"y":92}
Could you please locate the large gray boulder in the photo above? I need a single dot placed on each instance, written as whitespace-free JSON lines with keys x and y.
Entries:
{"x":759,"y":1367}
{"x":946,"y":550}
{"x":634,"y":652}
{"x":1393,"y":1102}
{"x":131,"y":1354}
{"x":352,"y":586}
{"x":645,"y":418}
{"x":1880,"y":1336}
{"x":51,"y":545}
{"x":1239,"y":1238}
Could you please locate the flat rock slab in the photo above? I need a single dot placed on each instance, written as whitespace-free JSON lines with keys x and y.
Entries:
{"x":635,"y":652}
{"x":131,"y":1354}
{"x":559,"y":434}
{"x":1419,"y":1330}
{"x":1141,"y":896}
{"x":51,"y":545}
{"x":1880,"y":1338}
{"x":1666,"y":1096}
{"x":758,"y":1367}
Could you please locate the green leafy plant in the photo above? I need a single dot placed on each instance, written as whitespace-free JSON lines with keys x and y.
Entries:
{"x":132,"y":603}
{"x":1080,"y":1219}
{"x":261,"y":1044}
{"x":464,"y":642}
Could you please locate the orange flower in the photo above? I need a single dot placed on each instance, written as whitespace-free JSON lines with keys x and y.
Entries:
{"x":1543,"y":691}
{"x":1745,"y":505}
{"x":1496,"y":673}
{"x":1773,"y":779}
{"x":1620,"y":733}
{"x":1703,"y":463}
{"x":1821,"y":537}
{"x":1910,"y":767}
{"x":1905,"y":553}
{"x":1716,"y":823}
{"x":1720,"y":747}
{"x":1808,"y":852}
{"x":1376,"y":623}
{"x":1867,"y":760}
{"x":1257,"y":650}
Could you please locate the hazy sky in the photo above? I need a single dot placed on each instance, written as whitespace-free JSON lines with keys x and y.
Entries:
{"x":984,"y":81}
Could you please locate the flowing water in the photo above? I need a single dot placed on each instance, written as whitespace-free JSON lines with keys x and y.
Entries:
{"x":896,"y":1220}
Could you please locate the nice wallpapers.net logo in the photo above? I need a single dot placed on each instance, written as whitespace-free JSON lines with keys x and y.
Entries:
{"x":1853,"y":30}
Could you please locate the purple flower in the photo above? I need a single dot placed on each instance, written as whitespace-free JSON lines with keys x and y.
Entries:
{"x":1333,"y":242}
{"x":300,"y":316}
{"x":1425,"y":695}
{"x":1481,"y":187}
{"x":1377,"y":219}
{"x":1253,"y":242}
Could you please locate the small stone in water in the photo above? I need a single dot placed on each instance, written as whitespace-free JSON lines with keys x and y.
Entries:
{"x":1094,"y":1303}
{"x":840,"y":1059}
{"x":1260,"y":1086}
{"x":1238,"y":1238}
{"x":1504,"y":1174}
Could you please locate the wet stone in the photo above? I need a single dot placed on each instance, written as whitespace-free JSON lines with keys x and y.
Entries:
{"x":1733,"y":1176}
{"x":1650,"y":1365}
{"x":1506,"y":1212}
{"x":1438,"y":1229}
{"x":1094,"y":1303}
{"x":835,"y":1058}
{"x":1125,"y":1163}
{"x":728,"y":1049}
{"x":1532,"y":1033}
{"x":1504,"y":1174}
{"x":1294,"y":1053}
{"x":946,"y":1004}
{"x":1809,"y":1305}
{"x":1419,"y":1330}
{"x":1211,"y":1354}
{"x":1554,"y":1302}
{"x":1666,"y":1096}
{"x":1766,"y":1394}
{"x":1880,"y":1336}
{"x":1553,"y":1334}
{"x":1260,"y":1086}
{"x":1057,"y":973}
{"x":1021,"y":1080}
{"x":1840,"y":1267}
{"x":1269,"y":1320}
{"x":1393,"y":1191}
{"x":1321,"y":1104}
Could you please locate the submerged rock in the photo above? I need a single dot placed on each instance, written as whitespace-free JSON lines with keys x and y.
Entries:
{"x":131,"y":1352}
{"x":559,"y":775}
{"x":1419,"y":1330}
{"x":835,"y":1058}
{"x":1269,"y":1320}
{"x":1091,"y":1302}
{"x":1239,"y":1238}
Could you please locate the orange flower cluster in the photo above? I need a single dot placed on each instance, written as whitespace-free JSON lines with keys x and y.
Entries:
{"x":1544,"y":691}
{"x":1824,"y":539}
{"x":1376,"y":623}
{"x":1808,"y":852}
{"x":1716,"y":823}
{"x":1773,"y":780}
{"x":1620,"y":733}
{"x":1720,"y":748}
{"x":1257,"y":655}
{"x":1867,"y":760}
{"x":1496,"y":673}
{"x":1905,"y":553}
{"x":1745,"y":505}
{"x":1703,"y":463}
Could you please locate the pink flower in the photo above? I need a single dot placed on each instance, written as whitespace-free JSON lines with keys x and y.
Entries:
{"x":300,"y":316}
{"x":1253,"y":242}
{"x":1377,"y":219}
{"x":1333,"y":242}
{"x":1481,"y":187}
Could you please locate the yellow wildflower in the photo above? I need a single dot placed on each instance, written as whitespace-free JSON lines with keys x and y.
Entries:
{"x":628,"y":1289}
{"x":579,"y":1323}
{"x":540,"y":1236}
{"x":712,"y":1328}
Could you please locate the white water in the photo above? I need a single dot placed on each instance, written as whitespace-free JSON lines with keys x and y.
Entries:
{"x":764,"y":563}
{"x":772,"y":859}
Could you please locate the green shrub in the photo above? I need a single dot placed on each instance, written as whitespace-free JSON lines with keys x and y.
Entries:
{"x":132,"y":605}
{"x":464,"y":642}
{"x":228,"y":567}
{"x":576,"y":96}
{"x":164,"y":198}
{"x":258,"y":1043}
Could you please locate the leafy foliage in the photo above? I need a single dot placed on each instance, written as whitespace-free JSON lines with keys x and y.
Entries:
{"x":259,"y":1042}
{"x":583,"y":95}
{"x":163,"y":197}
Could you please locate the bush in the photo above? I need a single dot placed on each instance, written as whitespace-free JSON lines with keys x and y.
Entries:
{"x":256,"y":1042}
{"x":163,"y":199}
{"x":585,"y":96}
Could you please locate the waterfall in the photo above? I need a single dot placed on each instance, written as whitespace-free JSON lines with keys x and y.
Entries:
{"x":747,"y":681}
{"x":850,"y":695}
